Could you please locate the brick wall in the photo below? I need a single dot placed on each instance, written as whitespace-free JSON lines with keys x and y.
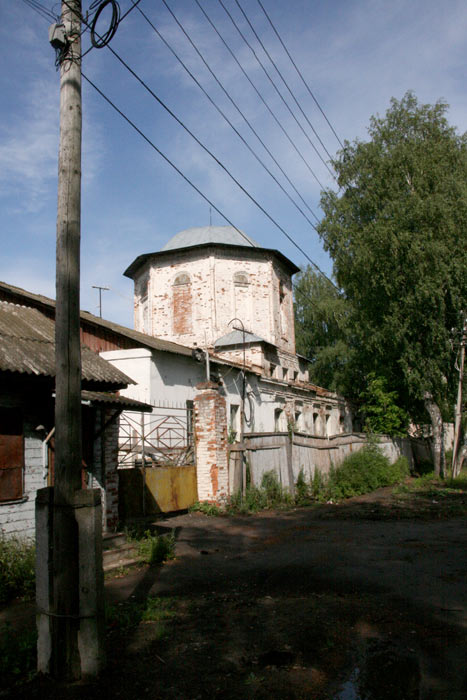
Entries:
{"x":210,"y":423}
{"x":214,"y":296}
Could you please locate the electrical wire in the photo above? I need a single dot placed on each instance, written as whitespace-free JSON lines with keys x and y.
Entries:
{"x":99,"y":6}
{"x":229,"y":121}
{"x":276,"y":88}
{"x":41,"y":10}
{"x":300,"y":73}
{"x":216,"y":160}
{"x":284,"y":131}
{"x":283,"y":79}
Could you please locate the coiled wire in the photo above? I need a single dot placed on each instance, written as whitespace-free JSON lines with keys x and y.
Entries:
{"x":100,"y":40}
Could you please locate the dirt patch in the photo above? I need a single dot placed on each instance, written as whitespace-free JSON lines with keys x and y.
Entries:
{"x":322,"y":603}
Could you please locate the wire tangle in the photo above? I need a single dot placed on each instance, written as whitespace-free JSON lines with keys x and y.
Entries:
{"x":101,"y":40}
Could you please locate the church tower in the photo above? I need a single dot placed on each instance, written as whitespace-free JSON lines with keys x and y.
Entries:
{"x":207,"y":281}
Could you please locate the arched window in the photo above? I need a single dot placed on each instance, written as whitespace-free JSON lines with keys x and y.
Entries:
{"x":182,"y":278}
{"x":182,"y":308}
{"x":242,"y":297}
{"x":241,"y":278}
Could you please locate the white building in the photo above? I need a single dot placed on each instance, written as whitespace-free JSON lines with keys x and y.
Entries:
{"x":214,"y":288}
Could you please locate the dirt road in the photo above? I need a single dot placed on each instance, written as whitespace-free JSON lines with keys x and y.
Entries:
{"x":305,"y":603}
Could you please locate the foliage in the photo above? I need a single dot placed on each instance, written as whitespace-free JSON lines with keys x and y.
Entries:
{"x":128,"y":614}
{"x":17,"y":654}
{"x":361,"y":472}
{"x":17,"y":568}
{"x":269,"y":495}
{"x":380,"y":410}
{"x":322,"y":332}
{"x":206,"y":508}
{"x":396,"y":232}
{"x":152,"y":548}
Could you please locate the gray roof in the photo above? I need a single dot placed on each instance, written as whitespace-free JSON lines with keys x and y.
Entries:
{"x":199,"y":235}
{"x":18,"y":295}
{"x":235,"y":337}
{"x":113,"y":399}
{"x":27,"y":346}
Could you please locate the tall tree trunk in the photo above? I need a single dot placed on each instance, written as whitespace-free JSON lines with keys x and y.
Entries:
{"x":437,"y":431}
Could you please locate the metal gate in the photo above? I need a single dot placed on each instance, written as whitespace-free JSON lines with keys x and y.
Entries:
{"x":163,"y":437}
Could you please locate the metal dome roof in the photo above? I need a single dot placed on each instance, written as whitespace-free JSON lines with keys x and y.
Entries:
{"x":200,"y":235}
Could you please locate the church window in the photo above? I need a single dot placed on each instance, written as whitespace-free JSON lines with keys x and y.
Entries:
{"x":182,"y":307}
{"x":241,"y":278}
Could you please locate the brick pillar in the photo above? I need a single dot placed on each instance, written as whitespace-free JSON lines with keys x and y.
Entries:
{"x":210,"y":423}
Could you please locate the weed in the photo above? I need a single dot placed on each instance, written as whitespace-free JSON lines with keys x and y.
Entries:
{"x":154,"y":549}
{"x":17,"y":568}
{"x":206,"y":508}
{"x":17,"y":653}
{"x":128,"y":614}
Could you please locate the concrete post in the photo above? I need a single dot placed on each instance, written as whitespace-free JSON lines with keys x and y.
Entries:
{"x":86,"y":511}
{"x":210,"y":423}
{"x":44,"y":577}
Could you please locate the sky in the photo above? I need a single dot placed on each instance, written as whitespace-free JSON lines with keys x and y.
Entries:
{"x":355,"y":55}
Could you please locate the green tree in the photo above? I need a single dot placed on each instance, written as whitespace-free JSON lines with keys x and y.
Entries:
{"x":321,"y":316}
{"x":396,"y":231}
{"x":380,"y":410}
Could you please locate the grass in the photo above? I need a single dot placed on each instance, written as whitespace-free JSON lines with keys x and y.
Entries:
{"x":127,"y":615}
{"x":361,"y":472}
{"x":17,"y":568}
{"x":17,"y":654}
{"x":153,"y":548}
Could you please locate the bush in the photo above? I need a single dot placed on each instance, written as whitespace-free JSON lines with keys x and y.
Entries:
{"x":17,"y":568}
{"x":154,"y":549}
{"x":363,"y":472}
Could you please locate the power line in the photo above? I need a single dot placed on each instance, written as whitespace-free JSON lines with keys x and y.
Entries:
{"x":260,"y":97}
{"x":300,"y":74}
{"x":283,"y":80}
{"x":41,"y":10}
{"x":228,"y":120}
{"x":159,"y":100}
{"x":276,"y":88}
{"x":127,"y":119}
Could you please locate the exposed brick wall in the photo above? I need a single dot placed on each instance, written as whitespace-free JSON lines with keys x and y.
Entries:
{"x":182,"y":313}
{"x":210,"y":423}
{"x":217,"y":296}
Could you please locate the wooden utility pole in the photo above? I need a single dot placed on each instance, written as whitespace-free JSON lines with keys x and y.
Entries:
{"x":65,"y":653}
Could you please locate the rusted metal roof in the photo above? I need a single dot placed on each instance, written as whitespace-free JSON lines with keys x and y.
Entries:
{"x":114,"y":399}
{"x":27,"y":346}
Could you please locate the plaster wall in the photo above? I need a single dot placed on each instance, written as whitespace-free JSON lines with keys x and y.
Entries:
{"x":212,"y":294}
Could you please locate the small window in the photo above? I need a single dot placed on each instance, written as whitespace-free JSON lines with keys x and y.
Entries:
{"x":285,"y":373}
{"x":272,"y":369}
{"x":182,"y":278}
{"x":241,"y":278}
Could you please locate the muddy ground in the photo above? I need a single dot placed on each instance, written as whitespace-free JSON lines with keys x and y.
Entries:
{"x":363,"y":601}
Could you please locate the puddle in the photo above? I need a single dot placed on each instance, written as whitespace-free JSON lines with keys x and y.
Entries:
{"x":386,"y":671}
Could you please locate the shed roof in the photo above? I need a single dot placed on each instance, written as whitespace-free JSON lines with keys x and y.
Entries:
{"x":27,"y":346}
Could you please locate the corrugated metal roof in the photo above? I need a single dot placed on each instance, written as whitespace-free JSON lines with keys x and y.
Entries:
{"x":140,"y":339}
{"x":27,"y":346}
{"x":121,"y":401}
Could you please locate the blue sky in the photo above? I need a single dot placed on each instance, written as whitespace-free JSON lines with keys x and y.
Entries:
{"x":355,"y":56}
